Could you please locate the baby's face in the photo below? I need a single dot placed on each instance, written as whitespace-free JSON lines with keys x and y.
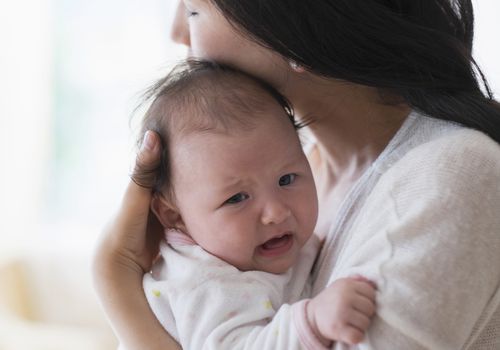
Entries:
{"x":248,"y":197}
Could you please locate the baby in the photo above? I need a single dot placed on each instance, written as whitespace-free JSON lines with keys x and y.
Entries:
{"x":237,"y":199}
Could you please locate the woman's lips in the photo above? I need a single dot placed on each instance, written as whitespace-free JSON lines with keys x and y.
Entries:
{"x":276,"y":246}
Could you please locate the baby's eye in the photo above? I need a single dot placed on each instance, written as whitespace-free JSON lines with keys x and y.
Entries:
{"x":239,"y":197}
{"x":287,"y":179}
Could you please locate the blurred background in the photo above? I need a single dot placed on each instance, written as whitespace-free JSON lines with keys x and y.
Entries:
{"x":71,"y":74}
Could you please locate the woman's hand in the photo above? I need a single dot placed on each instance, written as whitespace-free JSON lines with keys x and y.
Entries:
{"x":130,"y":241}
{"x":126,"y":251}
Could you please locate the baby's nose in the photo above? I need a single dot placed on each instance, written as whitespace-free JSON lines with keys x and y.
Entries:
{"x":275,"y":212}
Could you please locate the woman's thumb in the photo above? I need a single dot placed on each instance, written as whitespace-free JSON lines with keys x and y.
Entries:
{"x":147,"y":161}
{"x":135,"y":204}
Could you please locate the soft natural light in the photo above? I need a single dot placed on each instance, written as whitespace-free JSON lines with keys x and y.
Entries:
{"x":71,"y":75}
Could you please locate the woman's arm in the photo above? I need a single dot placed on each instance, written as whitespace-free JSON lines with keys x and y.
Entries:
{"x":127,"y":249}
{"x":429,"y":235}
{"x":127,"y":309}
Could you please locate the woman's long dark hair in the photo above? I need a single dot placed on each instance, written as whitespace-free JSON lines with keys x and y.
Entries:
{"x":420,"y":51}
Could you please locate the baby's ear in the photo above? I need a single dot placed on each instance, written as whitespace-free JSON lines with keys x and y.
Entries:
{"x":166,"y":212}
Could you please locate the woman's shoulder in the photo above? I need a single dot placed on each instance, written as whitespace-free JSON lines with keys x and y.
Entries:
{"x":460,"y":156}
{"x":443,"y":195}
{"x":459,"y":144}
{"x":452,"y":178}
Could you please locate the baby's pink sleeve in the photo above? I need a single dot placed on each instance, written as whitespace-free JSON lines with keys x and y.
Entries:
{"x":303,"y":328}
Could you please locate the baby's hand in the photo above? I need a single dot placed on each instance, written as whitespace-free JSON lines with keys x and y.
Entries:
{"x":343,"y":311}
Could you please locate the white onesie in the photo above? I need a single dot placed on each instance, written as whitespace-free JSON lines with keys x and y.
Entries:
{"x":205,"y":303}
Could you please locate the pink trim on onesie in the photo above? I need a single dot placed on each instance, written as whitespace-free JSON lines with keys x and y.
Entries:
{"x":178,"y":237}
{"x":304,"y":330}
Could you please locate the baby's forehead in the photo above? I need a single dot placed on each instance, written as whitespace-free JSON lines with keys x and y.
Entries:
{"x":221,"y":156}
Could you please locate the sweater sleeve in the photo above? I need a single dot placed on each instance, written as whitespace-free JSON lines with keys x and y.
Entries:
{"x":429,"y":235}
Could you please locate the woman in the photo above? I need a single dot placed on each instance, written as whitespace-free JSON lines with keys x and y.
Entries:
{"x":408,"y":190}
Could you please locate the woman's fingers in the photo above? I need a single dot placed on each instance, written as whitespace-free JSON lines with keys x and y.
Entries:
{"x":147,"y":161}
{"x":135,"y":203}
{"x":133,"y":235}
{"x":138,"y":228}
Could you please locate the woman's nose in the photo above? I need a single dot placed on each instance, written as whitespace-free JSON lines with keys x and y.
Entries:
{"x":275,"y":212}
{"x":179,"y":33}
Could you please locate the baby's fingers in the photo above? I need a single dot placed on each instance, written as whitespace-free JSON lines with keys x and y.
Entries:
{"x":359,"y":320}
{"x":351,"y":335}
{"x":365,"y":288}
{"x":364,"y":305}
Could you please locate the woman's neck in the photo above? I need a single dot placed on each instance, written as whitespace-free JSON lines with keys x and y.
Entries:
{"x":350,"y":122}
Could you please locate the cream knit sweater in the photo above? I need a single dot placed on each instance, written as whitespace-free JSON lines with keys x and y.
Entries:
{"x":424,"y":223}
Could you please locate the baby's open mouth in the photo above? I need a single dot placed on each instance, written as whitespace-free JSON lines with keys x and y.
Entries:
{"x":277,"y":245}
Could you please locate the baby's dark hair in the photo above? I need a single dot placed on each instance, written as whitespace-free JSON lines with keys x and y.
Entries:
{"x":202,"y":96}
